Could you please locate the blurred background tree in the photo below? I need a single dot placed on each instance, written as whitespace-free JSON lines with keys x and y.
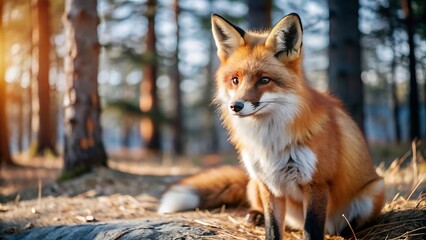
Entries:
{"x":5,"y":156}
{"x":156,"y":71}
{"x":178,"y":130}
{"x":46,"y":138}
{"x":148,"y":101}
{"x":344,"y":70}
{"x":263,"y":12}
{"x":413,"y":94}
{"x":83,"y":147}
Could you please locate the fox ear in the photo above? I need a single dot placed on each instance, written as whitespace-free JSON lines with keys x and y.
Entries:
{"x":227,"y":36}
{"x":285,"y":38}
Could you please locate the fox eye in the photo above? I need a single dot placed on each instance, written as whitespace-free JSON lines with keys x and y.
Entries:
{"x":235,"y":81}
{"x":263,"y":81}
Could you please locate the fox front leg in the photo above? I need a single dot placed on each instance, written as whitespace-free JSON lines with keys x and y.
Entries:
{"x":255,"y":215}
{"x":274,"y":213}
{"x":315,"y":205}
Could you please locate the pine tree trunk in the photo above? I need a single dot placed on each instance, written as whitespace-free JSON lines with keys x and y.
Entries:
{"x":28,"y":122}
{"x":29,"y":97}
{"x":259,"y":15}
{"x":5,"y":156}
{"x":177,"y":121}
{"x":34,"y":108}
{"x":344,"y":69}
{"x":20,"y":119}
{"x":394,"y":101}
{"x":83,"y":147}
{"x":126,"y":131}
{"x":413,"y":97}
{"x":44,"y":141}
{"x":148,"y":101}
{"x":54,"y":113}
{"x":213,"y":132}
{"x":395,"y":104}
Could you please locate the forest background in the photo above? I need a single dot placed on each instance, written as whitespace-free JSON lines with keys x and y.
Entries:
{"x":149,"y":66}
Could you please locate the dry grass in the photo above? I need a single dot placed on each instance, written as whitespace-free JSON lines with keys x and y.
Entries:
{"x":404,"y":217}
{"x":401,"y":219}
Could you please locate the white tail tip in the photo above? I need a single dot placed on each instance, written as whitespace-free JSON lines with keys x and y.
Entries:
{"x":179,"y":198}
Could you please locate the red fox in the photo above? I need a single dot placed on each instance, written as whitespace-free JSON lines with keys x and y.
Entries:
{"x":307,"y":160}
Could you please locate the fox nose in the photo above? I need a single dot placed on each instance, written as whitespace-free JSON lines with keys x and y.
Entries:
{"x":237,"y":106}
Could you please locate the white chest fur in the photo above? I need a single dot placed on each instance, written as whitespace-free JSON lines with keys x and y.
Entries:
{"x":270,"y":156}
{"x":283,"y":172}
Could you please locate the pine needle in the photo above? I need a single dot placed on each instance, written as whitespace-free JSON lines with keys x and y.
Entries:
{"x":349,"y":224}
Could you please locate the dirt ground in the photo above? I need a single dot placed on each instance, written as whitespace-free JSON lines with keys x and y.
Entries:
{"x":30,"y":197}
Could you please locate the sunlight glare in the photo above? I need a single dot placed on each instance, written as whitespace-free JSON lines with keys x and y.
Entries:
{"x":103,"y":77}
{"x":114,"y":77}
{"x":14,"y":50}
{"x":314,"y":9}
{"x":384,"y":53}
{"x":163,"y":82}
{"x":134,"y":77}
{"x":188,"y":85}
{"x":370,"y":78}
{"x":25,"y":80}
{"x":12,"y":74}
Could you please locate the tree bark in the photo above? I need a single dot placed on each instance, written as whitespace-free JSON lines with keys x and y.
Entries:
{"x":148,"y":101}
{"x":29,"y":97}
{"x":20,"y":117}
{"x":394,"y":102}
{"x":212,"y":131}
{"x":413,"y":97}
{"x":45,"y":140}
{"x":83,"y":147}
{"x":344,"y":69}
{"x":259,"y":14}
{"x":177,"y":121}
{"x":5,"y":156}
{"x":126,"y":131}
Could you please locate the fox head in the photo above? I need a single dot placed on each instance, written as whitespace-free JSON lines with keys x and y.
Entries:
{"x":260,"y":72}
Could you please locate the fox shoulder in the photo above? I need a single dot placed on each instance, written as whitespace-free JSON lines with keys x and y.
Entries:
{"x":208,"y":189}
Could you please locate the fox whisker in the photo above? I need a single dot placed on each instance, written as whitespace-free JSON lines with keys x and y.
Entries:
{"x":276,"y":101}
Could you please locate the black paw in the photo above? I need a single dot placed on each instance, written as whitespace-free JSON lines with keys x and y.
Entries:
{"x":255,"y":218}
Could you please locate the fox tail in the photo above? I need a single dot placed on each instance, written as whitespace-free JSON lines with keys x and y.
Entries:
{"x":210,"y":188}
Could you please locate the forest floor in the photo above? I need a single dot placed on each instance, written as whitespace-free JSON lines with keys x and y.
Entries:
{"x":31,"y":198}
